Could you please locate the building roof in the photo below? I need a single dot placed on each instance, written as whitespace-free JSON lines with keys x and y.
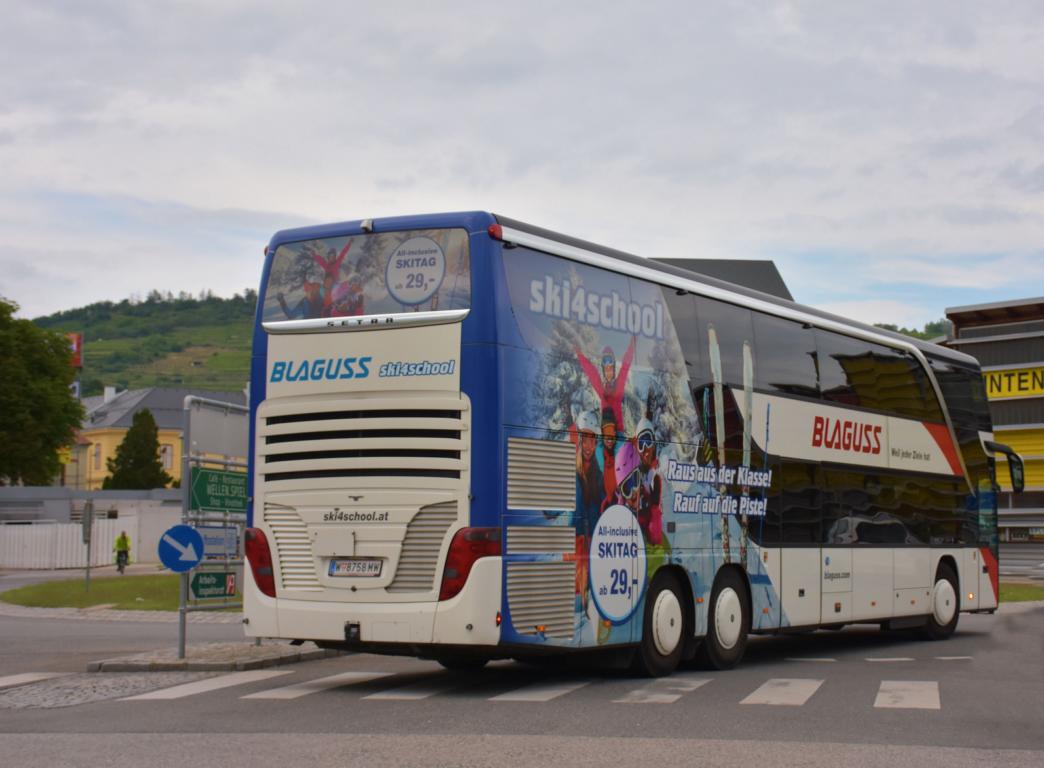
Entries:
{"x":997,"y":312}
{"x":759,"y":274}
{"x":167,"y":406}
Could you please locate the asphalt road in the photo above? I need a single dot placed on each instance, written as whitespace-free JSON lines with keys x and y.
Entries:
{"x":857,"y":697}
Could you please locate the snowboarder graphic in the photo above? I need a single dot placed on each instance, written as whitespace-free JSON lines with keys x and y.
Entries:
{"x":331,"y":266}
{"x":609,"y":383}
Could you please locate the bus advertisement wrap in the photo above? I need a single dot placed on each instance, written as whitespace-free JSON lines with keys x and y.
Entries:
{"x":610,"y":376}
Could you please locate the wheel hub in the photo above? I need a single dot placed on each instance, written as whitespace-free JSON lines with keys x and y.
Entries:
{"x":728,"y":618}
{"x":944,"y":602}
{"x":666,"y":622}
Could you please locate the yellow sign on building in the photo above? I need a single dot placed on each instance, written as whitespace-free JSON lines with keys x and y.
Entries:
{"x":1015,"y":382}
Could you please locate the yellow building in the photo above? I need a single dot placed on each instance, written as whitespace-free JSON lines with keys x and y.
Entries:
{"x":1007,"y":338}
{"x":110,"y":416}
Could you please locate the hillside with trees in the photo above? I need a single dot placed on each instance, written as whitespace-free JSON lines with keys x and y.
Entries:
{"x":163,"y":341}
{"x":194,"y":341}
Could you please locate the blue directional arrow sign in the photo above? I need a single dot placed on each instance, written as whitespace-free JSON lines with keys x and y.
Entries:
{"x":181,"y":548}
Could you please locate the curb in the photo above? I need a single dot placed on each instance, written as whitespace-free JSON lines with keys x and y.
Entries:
{"x":278,"y":656}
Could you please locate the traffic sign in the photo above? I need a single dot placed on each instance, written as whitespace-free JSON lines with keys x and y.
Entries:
{"x":181,"y":548}
{"x":219,"y":490}
{"x":220,"y":542}
{"x":214,"y":584}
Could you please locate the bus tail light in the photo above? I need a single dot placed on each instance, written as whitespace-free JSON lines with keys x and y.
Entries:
{"x":260,"y":558}
{"x":468,"y":545}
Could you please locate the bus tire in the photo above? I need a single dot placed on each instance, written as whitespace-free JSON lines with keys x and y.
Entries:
{"x":663,"y":628}
{"x":946,"y":605}
{"x":728,"y":623}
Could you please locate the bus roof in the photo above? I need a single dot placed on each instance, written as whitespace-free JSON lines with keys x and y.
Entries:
{"x":926,"y":347}
{"x":476,"y":221}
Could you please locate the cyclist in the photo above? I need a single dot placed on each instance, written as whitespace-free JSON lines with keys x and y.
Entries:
{"x":122,"y":549}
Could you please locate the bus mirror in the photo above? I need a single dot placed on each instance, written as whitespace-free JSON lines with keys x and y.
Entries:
{"x":1018,"y":472}
{"x":1015,"y":466}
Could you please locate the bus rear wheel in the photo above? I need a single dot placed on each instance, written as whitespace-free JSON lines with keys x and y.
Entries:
{"x":663,"y":637}
{"x":946,"y":609}
{"x":728,"y":623}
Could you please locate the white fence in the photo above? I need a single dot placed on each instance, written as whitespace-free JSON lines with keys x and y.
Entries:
{"x":60,"y":545}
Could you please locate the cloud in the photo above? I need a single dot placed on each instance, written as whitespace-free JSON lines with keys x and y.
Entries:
{"x":899,"y":138}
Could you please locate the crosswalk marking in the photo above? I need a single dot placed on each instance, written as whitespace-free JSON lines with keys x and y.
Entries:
{"x":665,"y":690}
{"x":298,"y":690}
{"x":413,"y":691}
{"x":784,"y":692}
{"x":544,"y":692}
{"x":887,"y":659}
{"x":210,"y":684}
{"x":811,"y":658}
{"x":28,"y":677}
{"x":908,"y":694}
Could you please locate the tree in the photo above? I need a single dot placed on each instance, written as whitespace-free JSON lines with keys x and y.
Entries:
{"x":38,"y":412}
{"x":137,"y":463}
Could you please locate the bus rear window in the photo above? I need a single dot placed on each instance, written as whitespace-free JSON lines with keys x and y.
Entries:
{"x":369,"y":274}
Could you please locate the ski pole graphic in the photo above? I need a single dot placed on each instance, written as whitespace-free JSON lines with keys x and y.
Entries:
{"x":748,"y":417}
{"x":719,"y":430}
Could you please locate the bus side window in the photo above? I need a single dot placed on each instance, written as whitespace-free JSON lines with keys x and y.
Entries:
{"x":843,"y":363}
{"x":682,"y":308}
{"x":785,"y":357}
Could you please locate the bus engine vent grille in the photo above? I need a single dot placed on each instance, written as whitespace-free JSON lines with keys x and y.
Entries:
{"x":538,"y":539}
{"x":541,"y":598}
{"x":294,"y":549}
{"x":366,"y":442}
{"x":420,"y":549}
{"x":541,"y":474}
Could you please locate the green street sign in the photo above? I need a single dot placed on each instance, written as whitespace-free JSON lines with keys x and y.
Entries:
{"x":219,"y":490}
{"x":219,"y":584}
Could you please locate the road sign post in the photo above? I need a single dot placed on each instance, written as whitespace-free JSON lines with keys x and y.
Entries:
{"x":87,"y":521}
{"x":214,"y":500}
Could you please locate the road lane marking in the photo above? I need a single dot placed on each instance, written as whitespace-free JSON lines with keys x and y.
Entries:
{"x":297,"y":690}
{"x":413,"y":691}
{"x":954,"y":658}
{"x":784,"y":692}
{"x":210,"y":684}
{"x":28,"y":677}
{"x":666,"y":690}
{"x":541,"y":692}
{"x":908,"y":694}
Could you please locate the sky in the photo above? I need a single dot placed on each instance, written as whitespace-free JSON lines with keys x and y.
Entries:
{"x":887,"y":156}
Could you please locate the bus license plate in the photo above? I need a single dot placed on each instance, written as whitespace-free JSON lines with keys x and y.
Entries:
{"x":358,"y":566}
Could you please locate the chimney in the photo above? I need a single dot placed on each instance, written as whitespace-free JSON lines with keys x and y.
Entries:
{"x":110,"y":394}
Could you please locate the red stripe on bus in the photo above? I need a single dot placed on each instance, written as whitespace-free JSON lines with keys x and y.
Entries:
{"x":991,"y":566}
{"x":941,"y":433}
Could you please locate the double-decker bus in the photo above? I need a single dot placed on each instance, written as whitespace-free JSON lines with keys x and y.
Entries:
{"x":472,"y":438}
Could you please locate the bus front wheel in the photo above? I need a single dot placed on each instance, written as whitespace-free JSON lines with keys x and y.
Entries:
{"x":728,"y":623}
{"x":663,"y":639}
{"x":945,"y":605}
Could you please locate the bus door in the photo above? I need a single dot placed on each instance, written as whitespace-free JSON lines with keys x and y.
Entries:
{"x":796,"y":488}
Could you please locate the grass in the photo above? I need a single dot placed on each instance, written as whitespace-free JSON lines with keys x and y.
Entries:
{"x":1017,"y":593}
{"x":160,"y":593}
{"x":136,"y":593}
